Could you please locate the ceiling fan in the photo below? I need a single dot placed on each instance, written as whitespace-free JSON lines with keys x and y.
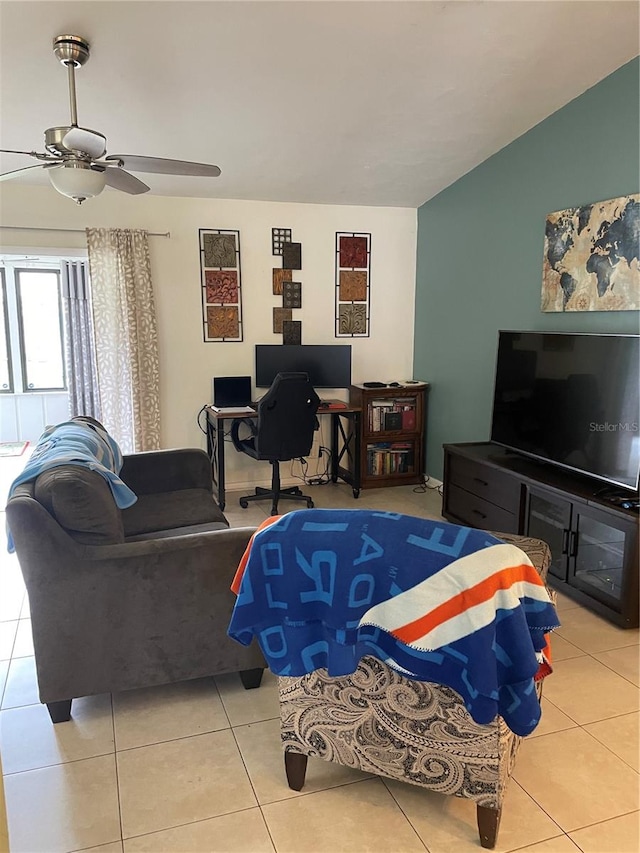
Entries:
{"x":75,"y":160}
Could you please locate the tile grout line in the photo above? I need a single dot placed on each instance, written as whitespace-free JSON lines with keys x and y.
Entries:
{"x":179,"y":826}
{"x":384,"y":780}
{"x":115,"y":765}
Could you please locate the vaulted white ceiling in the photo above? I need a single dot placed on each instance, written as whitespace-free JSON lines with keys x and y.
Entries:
{"x":374,"y":103}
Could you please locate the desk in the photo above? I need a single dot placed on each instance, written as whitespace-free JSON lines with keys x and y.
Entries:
{"x":345,"y":445}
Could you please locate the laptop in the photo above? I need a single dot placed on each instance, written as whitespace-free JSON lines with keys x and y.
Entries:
{"x":232,"y":394}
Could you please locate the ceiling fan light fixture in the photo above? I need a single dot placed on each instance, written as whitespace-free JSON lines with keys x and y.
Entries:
{"x":77,"y":180}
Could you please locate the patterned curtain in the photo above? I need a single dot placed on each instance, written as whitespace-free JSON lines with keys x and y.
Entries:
{"x":126,"y":336}
{"x":82,"y":376}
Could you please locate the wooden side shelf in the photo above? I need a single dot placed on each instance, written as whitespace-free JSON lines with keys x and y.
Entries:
{"x":392,"y":433}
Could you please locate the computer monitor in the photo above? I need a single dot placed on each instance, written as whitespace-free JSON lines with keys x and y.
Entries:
{"x":328,"y":365}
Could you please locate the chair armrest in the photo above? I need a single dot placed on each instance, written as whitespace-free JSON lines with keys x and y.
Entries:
{"x":537,"y":550}
{"x":167,"y":471}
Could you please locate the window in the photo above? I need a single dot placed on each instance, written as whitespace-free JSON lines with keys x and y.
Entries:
{"x":6,"y":378}
{"x":31,"y":326}
{"x":40,"y":320}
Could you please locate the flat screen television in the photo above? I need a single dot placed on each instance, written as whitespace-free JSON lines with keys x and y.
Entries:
{"x":328,"y":365}
{"x":572,"y":400}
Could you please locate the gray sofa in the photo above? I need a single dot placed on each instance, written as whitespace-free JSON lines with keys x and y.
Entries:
{"x":128,"y":598}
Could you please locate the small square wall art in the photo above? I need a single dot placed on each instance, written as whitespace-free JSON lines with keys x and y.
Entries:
{"x":279,"y":316}
{"x":220,"y":285}
{"x":353,"y":284}
{"x":292,"y":294}
{"x":292,"y":332}
{"x":279,"y":236}
{"x":292,"y":256}
{"x":279,"y":277}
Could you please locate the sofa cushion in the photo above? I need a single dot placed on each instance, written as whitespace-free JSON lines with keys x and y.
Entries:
{"x":81,"y":502}
{"x":190,"y":529}
{"x":171,"y":510}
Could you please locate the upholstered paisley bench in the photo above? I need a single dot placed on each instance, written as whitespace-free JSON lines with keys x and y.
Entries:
{"x":380,"y":722}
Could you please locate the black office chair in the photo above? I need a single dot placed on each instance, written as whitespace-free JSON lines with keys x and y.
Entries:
{"x":284,"y":430}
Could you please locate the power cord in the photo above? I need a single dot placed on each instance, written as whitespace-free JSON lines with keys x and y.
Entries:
{"x":425,"y":487}
{"x":318,"y":479}
{"x":199,"y":419}
{"x":324,"y":477}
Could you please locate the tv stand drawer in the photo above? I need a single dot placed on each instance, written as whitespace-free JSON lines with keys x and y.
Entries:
{"x":476,"y":512}
{"x":490,"y":484}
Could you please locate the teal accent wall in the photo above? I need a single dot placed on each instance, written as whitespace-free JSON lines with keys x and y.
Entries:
{"x":480,"y":244}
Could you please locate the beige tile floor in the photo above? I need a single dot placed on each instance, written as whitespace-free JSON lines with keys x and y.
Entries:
{"x":197,"y":767}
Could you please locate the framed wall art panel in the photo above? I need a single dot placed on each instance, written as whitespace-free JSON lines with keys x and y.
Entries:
{"x":221,"y":285}
{"x":353,"y":284}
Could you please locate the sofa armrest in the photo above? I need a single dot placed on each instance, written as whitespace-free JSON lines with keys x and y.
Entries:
{"x":111,"y":618}
{"x":167,"y":471}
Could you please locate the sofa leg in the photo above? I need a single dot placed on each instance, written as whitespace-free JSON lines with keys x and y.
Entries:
{"x":60,"y":712}
{"x":295,"y":765}
{"x":251,"y":678}
{"x":488,"y":825}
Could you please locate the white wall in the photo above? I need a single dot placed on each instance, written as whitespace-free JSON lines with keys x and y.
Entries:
{"x":188,"y":364}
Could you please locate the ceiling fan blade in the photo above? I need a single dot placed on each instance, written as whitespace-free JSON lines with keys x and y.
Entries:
{"x":46,"y":158}
{"x":13,"y":151}
{"x":162,"y":166}
{"x":88,"y":141}
{"x":121,"y":180}
{"x":8,"y":175}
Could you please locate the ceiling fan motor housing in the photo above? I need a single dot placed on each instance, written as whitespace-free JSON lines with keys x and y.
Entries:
{"x":71,"y":50}
{"x":53,"y":137}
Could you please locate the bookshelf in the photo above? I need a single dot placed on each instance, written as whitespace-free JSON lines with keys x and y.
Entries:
{"x":392,"y":433}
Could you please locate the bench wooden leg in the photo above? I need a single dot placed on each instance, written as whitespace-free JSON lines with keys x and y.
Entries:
{"x":488,"y":825}
{"x":60,"y":712}
{"x":251,"y":678}
{"x":295,"y":766}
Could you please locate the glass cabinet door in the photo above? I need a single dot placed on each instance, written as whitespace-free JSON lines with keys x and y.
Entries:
{"x":549,"y":519}
{"x":597,"y":556}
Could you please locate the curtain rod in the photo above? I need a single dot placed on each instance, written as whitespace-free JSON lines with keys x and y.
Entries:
{"x":72,"y":230}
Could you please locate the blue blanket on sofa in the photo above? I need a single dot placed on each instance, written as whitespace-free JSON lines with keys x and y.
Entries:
{"x":77,"y":442}
{"x":435,"y":601}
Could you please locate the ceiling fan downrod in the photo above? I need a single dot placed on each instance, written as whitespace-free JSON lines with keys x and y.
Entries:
{"x":72,"y":51}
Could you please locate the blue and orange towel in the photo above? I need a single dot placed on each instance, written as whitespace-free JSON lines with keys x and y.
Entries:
{"x":437,"y":602}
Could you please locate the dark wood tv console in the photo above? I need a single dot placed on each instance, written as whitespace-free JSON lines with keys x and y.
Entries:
{"x":594,"y":542}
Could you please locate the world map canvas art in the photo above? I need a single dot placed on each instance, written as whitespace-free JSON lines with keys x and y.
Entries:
{"x":592,"y":257}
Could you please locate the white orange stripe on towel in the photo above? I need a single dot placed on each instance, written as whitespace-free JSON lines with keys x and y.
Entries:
{"x":428,"y":616}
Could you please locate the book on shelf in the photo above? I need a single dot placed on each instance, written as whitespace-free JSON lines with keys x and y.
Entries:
{"x":408,"y":419}
{"x":392,"y":414}
{"x":390,"y":458}
{"x":393,"y":420}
